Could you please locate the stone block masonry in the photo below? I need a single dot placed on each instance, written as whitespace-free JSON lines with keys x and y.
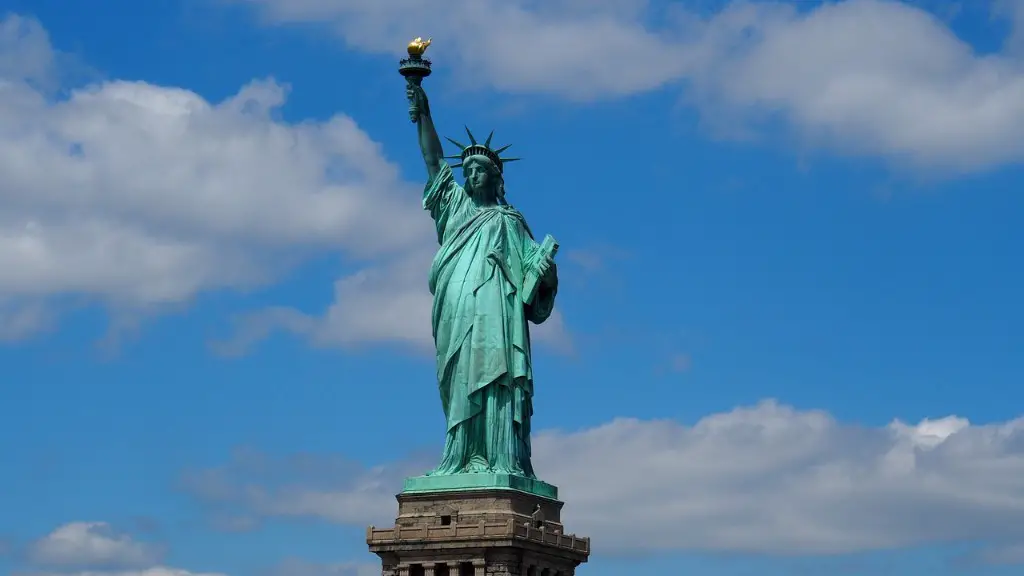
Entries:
{"x":496,"y":532}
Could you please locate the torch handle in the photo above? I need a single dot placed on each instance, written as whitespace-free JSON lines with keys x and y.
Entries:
{"x":414,"y":107}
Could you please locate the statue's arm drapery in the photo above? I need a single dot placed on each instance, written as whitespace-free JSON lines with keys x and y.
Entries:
{"x":442,"y":197}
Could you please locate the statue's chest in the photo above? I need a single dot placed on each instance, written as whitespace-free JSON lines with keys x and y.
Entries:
{"x":491,"y":227}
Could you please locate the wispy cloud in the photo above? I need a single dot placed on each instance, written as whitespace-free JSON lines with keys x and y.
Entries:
{"x":866,"y":77}
{"x":765,"y":479}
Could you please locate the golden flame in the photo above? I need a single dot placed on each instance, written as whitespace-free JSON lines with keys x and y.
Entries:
{"x":418,"y":46}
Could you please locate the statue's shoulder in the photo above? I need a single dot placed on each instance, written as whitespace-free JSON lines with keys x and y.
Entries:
{"x":511,"y":212}
{"x":443,"y":183}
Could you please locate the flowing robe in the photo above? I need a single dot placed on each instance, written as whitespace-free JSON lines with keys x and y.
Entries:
{"x":484,"y":365}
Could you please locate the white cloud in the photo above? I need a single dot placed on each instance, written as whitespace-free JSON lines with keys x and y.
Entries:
{"x":22,"y":318}
{"x":870,"y":77}
{"x":386,"y":302}
{"x":91,"y":544}
{"x":25,"y":52}
{"x":153,"y":571}
{"x":867,"y":77}
{"x":139,"y":196}
{"x":95,"y":549}
{"x":773,"y":479}
{"x":569,"y":47}
{"x":1012,"y":10}
{"x":252,"y":486}
{"x":762,"y":479}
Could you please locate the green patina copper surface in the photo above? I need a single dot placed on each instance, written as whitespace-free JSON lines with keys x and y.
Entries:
{"x":490,"y":278}
{"x":479,"y":480}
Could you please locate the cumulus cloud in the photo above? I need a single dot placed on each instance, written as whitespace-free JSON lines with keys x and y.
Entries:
{"x":384,"y":302}
{"x":869,"y":77}
{"x":387,"y":302}
{"x":154,"y":571}
{"x":762,"y":479}
{"x":140,"y":196}
{"x":773,"y":479}
{"x":576,"y":48}
{"x":96,"y":549}
{"x":92,"y":544}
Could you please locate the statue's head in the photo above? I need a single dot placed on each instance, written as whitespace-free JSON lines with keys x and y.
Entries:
{"x":483,"y":179}
{"x":482,"y":168}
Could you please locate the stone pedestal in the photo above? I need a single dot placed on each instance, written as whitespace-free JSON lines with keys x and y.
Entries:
{"x":477,"y":532}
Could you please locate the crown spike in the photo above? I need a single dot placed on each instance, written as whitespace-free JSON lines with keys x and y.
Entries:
{"x":503,"y":160}
{"x":456,"y":142}
{"x":458,"y":165}
{"x":472,"y":140}
{"x":489,"y":136}
{"x":503,"y":148}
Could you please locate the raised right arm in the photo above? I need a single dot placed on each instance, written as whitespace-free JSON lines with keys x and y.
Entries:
{"x":430,"y":144}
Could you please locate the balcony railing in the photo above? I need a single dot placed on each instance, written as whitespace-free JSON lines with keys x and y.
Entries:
{"x":481,"y":530}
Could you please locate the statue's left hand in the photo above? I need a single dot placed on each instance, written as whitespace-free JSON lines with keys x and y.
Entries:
{"x":543,"y":265}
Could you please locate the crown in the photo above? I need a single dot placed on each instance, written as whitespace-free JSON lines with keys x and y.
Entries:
{"x":477,"y":149}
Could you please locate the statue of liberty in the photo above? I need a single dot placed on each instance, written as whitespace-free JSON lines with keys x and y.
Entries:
{"x":489,"y":279}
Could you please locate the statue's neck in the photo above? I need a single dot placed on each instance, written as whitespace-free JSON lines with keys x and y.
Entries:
{"x":484,"y":199}
{"x":488,"y":203}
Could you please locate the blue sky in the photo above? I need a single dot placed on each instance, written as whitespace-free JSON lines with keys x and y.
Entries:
{"x":787,"y":338}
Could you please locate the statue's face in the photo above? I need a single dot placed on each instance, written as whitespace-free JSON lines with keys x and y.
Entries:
{"x":478,"y":177}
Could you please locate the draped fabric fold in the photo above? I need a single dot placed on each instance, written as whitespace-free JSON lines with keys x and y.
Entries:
{"x":479,"y":319}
